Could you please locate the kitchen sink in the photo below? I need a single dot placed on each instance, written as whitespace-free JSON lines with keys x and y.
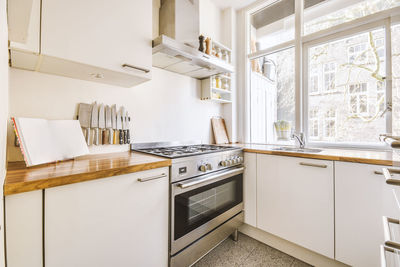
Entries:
{"x":300,"y":150}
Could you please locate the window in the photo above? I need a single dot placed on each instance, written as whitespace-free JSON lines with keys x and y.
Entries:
{"x":357,"y":53}
{"x":358,"y":98}
{"x":330,"y":123}
{"x":380,"y":48}
{"x":272,"y":25}
{"x":314,"y":123}
{"x":354,"y":86}
{"x":314,"y":81}
{"x":396,"y":78}
{"x":272,"y":100}
{"x":329,"y":76}
{"x":380,"y":96}
{"x":326,"y":14}
{"x":342,"y":97}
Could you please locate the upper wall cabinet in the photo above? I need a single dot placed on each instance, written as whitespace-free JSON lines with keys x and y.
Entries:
{"x":104,"y":41}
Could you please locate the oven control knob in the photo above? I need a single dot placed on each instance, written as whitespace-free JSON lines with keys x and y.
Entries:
{"x":223,"y":163}
{"x":236,"y":160}
{"x":209,"y":166}
{"x":230,"y":162}
{"x":203,"y":168}
{"x":240,"y":159}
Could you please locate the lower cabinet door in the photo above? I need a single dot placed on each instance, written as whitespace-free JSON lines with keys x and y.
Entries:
{"x":362,"y":198}
{"x":250,"y":189}
{"x":117,"y":221}
{"x":295,"y":201}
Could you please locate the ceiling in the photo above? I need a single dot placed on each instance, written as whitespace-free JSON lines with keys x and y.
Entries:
{"x":236,"y":4}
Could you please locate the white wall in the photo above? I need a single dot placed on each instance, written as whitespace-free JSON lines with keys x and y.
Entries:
{"x":210,"y":20}
{"x":3,"y":112}
{"x":168,"y":108}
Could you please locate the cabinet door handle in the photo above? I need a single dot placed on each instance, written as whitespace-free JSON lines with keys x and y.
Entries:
{"x":389,"y":169}
{"x":152,"y":178}
{"x":313,"y":165}
{"x":386,"y":230}
{"x":388,"y":176}
{"x":136,"y":68}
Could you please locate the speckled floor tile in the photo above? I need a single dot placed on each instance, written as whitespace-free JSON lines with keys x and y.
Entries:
{"x":298,"y":263}
{"x":247,"y":252}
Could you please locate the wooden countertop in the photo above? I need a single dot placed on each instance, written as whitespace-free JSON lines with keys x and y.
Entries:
{"x":387,"y":158}
{"x":20,"y":179}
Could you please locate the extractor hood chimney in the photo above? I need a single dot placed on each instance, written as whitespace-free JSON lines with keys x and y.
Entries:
{"x":176,"y":49}
{"x":180,"y":20}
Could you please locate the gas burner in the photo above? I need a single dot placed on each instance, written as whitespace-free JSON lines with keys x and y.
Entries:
{"x":183,"y":151}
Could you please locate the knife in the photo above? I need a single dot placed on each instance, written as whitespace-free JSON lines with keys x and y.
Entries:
{"x":102,"y":123}
{"x":119,"y":128}
{"x":94,"y":125}
{"x":84,"y":114}
{"x":124,"y":125}
{"x":114,"y":124}
{"x":108,"y":132}
{"x":128,"y":135}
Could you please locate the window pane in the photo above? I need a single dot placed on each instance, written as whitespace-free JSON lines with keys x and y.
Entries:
{"x":272,"y":25}
{"x":323,"y":14}
{"x":272,"y":105}
{"x":350,"y":98}
{"x":396,"y":79}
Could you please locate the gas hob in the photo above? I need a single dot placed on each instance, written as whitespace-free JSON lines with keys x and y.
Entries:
{"x":180,"y":151}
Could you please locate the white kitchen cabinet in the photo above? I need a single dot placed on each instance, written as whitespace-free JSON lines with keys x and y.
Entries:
{"x":250,"y":189}
{"x":23,"y":229}
{"x":295,"y":201}
{"x":362,"y":198}
{"x":90,"y":40}
{"x":115,"y":221}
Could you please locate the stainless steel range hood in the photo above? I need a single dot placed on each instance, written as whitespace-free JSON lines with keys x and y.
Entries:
{"x":177,"y":57}
{"x":179,"y":26}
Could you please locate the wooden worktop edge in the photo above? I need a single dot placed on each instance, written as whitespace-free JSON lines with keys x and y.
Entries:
{"x":26,"y":186}
{"x":321,"y":156}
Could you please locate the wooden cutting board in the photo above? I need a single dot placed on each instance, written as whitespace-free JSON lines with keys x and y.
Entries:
{"x":219,"y":129}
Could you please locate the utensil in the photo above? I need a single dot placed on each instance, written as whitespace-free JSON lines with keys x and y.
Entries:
{"x":84,"y":116}
{"x":109,"y":131}
{"x":124,"y":126}
{"x":114,"y":124}
{"x":94,"y":124}
{"x":128,"y":135}
{"x":102,"y":123}
{"x":119,"y":128}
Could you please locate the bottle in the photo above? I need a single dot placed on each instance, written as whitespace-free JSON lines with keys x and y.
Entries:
{"x":217,"y":82}
{"x":225,"y":84}
{"x":208,"y":46}
{"x":226,"y":56}
{"x":214,"y":83}
{"x":201,"y":43}
{"x":218,"y":52}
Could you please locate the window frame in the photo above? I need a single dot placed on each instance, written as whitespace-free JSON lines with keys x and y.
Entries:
{"x":382,"y":19}
{"x":377,"y":24}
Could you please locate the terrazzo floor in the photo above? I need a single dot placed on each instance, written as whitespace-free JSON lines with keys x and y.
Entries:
{"x":247,"y":252}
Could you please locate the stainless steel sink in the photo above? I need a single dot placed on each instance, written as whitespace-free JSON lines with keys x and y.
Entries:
{"x":300,"y":150}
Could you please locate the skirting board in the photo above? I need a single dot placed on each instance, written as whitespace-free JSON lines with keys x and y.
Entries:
{"x":289,"y":248}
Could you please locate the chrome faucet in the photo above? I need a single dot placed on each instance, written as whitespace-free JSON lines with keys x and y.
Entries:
{"x":300,"y":138}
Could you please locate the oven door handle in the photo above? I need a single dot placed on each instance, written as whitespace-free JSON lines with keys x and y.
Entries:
{"x":229,"y":173}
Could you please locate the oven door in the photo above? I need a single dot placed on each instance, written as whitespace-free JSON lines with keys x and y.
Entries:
{"x":200,"y":204}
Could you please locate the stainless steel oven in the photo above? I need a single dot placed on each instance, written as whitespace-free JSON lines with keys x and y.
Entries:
{"x":206,"y":196}
{"x":199,"y":205}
